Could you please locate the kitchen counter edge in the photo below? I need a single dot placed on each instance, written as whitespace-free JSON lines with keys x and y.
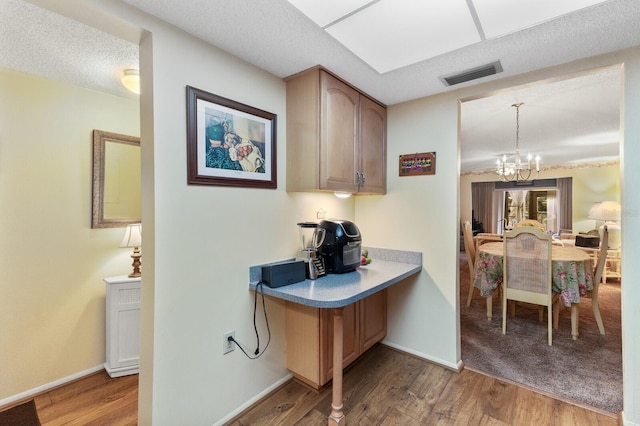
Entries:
{"x":338,"y":290}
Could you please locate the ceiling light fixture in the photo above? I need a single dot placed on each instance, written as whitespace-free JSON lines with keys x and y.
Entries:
{"x":131,"y":80}
{"x":517,"y":170}
{"x":340,"y":194}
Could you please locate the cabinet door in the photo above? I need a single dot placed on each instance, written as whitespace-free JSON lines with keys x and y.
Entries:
{"x":123,"y":328}
{"x":373,"y":319}
{"x":338,"y":134}
{"x":373,"y":146}
{"x":303,"y":342}
{"x":351,"y":340}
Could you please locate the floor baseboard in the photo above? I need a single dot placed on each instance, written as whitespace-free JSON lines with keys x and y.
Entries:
{"x":32,"y":393}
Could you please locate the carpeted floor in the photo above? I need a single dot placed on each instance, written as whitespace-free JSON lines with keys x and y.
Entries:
{"x":587,"y":370}
{"x":20,"y":415}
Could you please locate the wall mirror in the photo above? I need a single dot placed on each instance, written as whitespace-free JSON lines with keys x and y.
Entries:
{"x":116,"y":180}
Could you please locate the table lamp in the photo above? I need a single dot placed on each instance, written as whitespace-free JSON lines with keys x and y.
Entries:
{"x":133,"y":238}
{"x":609,"y":212}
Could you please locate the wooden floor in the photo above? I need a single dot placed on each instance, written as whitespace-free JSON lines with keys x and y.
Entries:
{"x":94,"y":400}
{"x":385,"y":387}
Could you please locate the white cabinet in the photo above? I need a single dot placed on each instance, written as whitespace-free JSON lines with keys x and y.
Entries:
{"x":123,"y":326}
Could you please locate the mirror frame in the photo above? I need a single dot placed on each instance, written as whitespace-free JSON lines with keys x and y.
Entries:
{"x":100,"y":138}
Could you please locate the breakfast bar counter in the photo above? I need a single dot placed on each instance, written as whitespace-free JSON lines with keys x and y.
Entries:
{"x":338,"y":290}
{"x":335,"y":291}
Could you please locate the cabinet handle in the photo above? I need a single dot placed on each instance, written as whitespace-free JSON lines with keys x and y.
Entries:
{"x":358,"y":179}
{"x":362,"y":179}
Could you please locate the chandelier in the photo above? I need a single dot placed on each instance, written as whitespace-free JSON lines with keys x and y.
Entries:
{"x":517,"y":169}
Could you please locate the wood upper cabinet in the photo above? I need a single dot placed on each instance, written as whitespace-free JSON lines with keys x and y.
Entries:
{"x":336,"y":136}
{"x":373,"y":146}
{"x":310,"y":336}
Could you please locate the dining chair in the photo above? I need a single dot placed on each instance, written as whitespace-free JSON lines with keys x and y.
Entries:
{"x":470,"y":251}
{"x":597,"y":277}
{"x":485,"y":237}
{"x":527,"y":271}
{"x":530,"y":222}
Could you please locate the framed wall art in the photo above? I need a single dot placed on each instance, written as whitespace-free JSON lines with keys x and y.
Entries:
{"x":423,"y":163}
{"x":229,"y":143}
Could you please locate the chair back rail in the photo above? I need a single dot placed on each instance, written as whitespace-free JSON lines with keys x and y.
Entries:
{"x":527,"y":270}
{"x":469,"y":249}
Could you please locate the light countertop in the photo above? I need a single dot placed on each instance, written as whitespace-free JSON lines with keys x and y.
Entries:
{"x":337,"y":290}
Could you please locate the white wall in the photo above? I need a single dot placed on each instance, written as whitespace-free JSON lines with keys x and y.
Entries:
{"x":52,"y":308}
{"x":419,"y":213}
{"x":631,"y":239}
{"x":205,"y":239}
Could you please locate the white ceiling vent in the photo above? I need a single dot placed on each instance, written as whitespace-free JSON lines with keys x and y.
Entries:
{"x":472,"y":74}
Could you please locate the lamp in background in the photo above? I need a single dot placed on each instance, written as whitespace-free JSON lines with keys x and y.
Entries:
{"x":609,"y":212}
{"x":517,"y":169}
{"x":131,"y":80}
{"x":133,"y":238}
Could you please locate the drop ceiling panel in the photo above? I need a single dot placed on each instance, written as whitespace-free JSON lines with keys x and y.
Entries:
{"x":394,"y":33}
{"x":500,"y":17}
{"x":327,"y":11}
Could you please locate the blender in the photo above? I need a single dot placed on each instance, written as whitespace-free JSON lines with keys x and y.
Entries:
{"x":309,"y":236}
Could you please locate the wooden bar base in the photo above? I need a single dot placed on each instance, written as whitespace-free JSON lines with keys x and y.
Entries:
{"x":337,"y":416}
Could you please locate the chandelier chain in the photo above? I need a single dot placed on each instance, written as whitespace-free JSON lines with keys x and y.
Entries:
{"x":518,"y":170}
{"x":517,"y":106}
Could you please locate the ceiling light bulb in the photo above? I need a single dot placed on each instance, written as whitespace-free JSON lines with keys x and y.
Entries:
{"x":131,"y":80}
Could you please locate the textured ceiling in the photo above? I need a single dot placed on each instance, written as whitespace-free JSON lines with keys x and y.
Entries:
{"x":62,"y":49}
{"x":277,"y":37}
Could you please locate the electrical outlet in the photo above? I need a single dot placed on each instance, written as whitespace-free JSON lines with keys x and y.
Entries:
{"x":228,"y":345}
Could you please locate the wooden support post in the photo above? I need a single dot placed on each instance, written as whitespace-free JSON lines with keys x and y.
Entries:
{"x":337,"y":416}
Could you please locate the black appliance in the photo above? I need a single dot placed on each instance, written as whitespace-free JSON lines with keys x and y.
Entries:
{"x":339,"y":244}
{"x":280,"y":274}
{"x":587,"y":240}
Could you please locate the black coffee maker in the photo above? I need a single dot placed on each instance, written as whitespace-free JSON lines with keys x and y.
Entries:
{"x":339,"y":245}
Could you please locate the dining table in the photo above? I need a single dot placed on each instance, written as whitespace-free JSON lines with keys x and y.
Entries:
{"x":572,"y":274}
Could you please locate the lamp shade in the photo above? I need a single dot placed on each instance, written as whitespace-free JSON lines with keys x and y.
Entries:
{"x":609,"y":212}
{"x":132,"y":236}
{"x":606,"y":211}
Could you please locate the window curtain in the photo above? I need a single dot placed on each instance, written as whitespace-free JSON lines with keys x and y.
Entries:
{"x":565,"y":202}
{"x":552,"y":212}
{"x":482,"y":204}
{"x":498,"y":212}
{"x":518,"y":198}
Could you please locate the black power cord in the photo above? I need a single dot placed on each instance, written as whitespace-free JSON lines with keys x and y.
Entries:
{"x":257,"y":352}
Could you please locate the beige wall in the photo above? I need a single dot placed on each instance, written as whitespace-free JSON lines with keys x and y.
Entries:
{"x":591,"y":183}
{"x":53,"y":298}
